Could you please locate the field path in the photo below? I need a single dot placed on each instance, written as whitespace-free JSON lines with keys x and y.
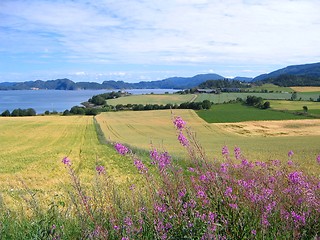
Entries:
{"x":194,"y":98}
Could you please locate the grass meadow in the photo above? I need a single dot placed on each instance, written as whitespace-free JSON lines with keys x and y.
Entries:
{"x":272,"y":87}
{"x":237,"y":112}
{"x":226,"y":97}
{"x":152,"y":99}
{"x":153,"y":128}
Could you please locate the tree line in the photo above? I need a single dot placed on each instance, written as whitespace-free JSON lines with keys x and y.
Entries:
{"x":19,"y":112}
{"x":77,"y":110}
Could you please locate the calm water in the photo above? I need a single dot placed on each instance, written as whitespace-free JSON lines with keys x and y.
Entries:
{"x":55,"y":100}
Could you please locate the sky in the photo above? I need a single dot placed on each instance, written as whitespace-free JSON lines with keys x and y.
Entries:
{"x":145,"y":40}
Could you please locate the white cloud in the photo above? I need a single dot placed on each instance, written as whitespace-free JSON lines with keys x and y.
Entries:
{"x":164,"y":32}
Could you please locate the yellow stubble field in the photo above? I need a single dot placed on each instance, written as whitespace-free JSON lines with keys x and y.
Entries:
{"x":259,"y":141}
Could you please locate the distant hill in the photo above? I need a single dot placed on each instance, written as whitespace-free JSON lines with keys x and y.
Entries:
{"x":296,"y":75}
{"x":67,"y":84}
{"x":243,"y":79}
{"x":221,"y":84}
{"x":179,"y":82}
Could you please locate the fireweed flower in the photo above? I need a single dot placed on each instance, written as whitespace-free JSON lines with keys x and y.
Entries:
{"x":318,"y":159}
{"x":295,"y":177}
{"x":179,"y":123}
{"x":298,"y":218}
{"x":228,"y":191}
{"x":233,"y":205}
{"x":183,"y":140}
{"x":162,"y":159}
{"x":140,"y":166}
{"x":224,"y":167}
{"x":66,"y":161}
{"x":123,"y":150}
{"x":100,"y":170}
{"x":237,"y":153}
{"x":225,"y":150}
{"x":290,"y":153}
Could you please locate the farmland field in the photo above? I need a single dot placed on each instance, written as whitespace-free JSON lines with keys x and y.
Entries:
{"x":152,"y":99}
{"x":271,"y":87}
{"x":306,"y":89}
{"x":257,"y":141}
{"x":32,"y":148}
{"x":294,"y":105}
{"x":237,"y":112}
{"x":226,"y":97}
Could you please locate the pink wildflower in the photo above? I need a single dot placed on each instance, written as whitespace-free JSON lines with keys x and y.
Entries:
{"x":295,"y":177}
{"x":140,"y":166}
{"x":233,"y":205}
{"x":123,"y":150}
{"x":228,"y":191}
{"x":290,"y":153}
{"x":224,"y":167}
{"x":225,"y":150}
{"x":179,"y":123}
{"x":237,"y":153}
{"x":100,"y":170}
{"x":66,"y":161}
{"x":318,"y":159}
{"x":290,"y":163}
{"x":183,"y":140}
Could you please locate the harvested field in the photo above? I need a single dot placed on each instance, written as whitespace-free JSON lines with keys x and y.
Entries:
{"x":274,"y":128}
{"x":306,"y":89}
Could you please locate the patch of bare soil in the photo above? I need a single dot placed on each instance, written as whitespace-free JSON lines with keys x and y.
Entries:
{"x":273,"y":128}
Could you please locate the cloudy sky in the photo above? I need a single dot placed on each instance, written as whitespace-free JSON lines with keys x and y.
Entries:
{"x":134,"y":40}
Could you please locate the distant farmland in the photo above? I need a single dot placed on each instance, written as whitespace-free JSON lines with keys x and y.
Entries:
{"x":155,"y":127}
{"x":152,"y":99}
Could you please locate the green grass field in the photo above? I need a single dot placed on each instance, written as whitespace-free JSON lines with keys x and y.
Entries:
{"x":226,"y":97}
{"x":272,"y":87}
{"x":155,"y":127}
{"x":223,"y":113}
{"x":152,"y":99}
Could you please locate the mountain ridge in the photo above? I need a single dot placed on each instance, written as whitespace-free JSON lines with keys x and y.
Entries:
{"x":299,"y":75}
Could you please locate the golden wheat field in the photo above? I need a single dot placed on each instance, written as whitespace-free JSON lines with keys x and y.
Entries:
{"x":32,"y":148}
{"x":305,"y":89}
{"x":264,"y":141}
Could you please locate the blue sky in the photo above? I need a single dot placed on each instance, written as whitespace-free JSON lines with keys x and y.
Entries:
{"x":143,"y":40}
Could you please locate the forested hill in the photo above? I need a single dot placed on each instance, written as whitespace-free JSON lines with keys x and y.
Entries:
{"x":225,"y":83}
{"x":67,"y":84}
{"x":296,"y":75}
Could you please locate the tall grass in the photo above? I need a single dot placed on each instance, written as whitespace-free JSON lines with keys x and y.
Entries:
{"x":228,"y":198}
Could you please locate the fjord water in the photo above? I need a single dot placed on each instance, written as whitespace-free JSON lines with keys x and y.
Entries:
{"x":55,"y":100}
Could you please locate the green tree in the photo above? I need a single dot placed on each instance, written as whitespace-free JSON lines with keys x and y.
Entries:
{"x":77,"y":110}
{"x":16,"y":112}
{"x":30,"y":112}
{"x":66,"y":113}
{"x":294,"y":96}
{"x":98,"y":100}
{"x":206,"y":104}
{"x":305,"y":109}
{"x":5,"y":113}
{"x":266,"y":105}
